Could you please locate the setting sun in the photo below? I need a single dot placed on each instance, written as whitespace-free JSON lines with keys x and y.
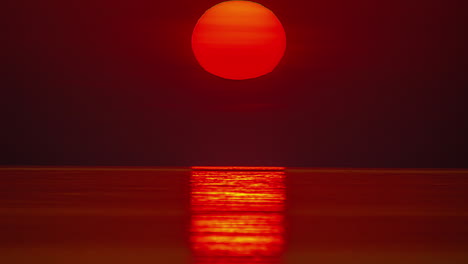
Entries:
{"x":238,"y":40}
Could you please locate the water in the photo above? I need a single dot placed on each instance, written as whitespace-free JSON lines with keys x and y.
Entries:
{"x":226,"y":216}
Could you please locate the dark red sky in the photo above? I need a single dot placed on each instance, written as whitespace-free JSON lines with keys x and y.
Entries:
{"x":363,"y":83}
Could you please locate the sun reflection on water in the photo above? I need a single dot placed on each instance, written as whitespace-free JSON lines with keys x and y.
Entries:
{"x":237,"y":216}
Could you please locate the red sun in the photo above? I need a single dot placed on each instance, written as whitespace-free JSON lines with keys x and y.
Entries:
{"x":238,"y":40}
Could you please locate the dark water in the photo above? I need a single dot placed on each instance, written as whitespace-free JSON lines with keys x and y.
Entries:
{"x":179,"y":215}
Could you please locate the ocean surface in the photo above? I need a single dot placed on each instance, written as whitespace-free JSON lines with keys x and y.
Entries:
{"x":230,"y":215}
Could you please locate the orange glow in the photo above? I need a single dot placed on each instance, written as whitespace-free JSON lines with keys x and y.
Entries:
{"x":238,"y":40}
{"x":237,"y":216}
{"x":236,"y":168}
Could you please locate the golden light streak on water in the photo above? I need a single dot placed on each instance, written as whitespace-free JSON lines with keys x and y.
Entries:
{"x":237,"y":216}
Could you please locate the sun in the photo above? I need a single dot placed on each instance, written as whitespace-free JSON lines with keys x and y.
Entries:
{"x":238,"y":40}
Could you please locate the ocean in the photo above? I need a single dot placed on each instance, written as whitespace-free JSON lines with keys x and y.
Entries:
{"x":232,"y":215}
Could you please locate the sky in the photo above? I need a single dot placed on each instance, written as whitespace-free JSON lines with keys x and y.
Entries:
{"x":362,"y":84}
